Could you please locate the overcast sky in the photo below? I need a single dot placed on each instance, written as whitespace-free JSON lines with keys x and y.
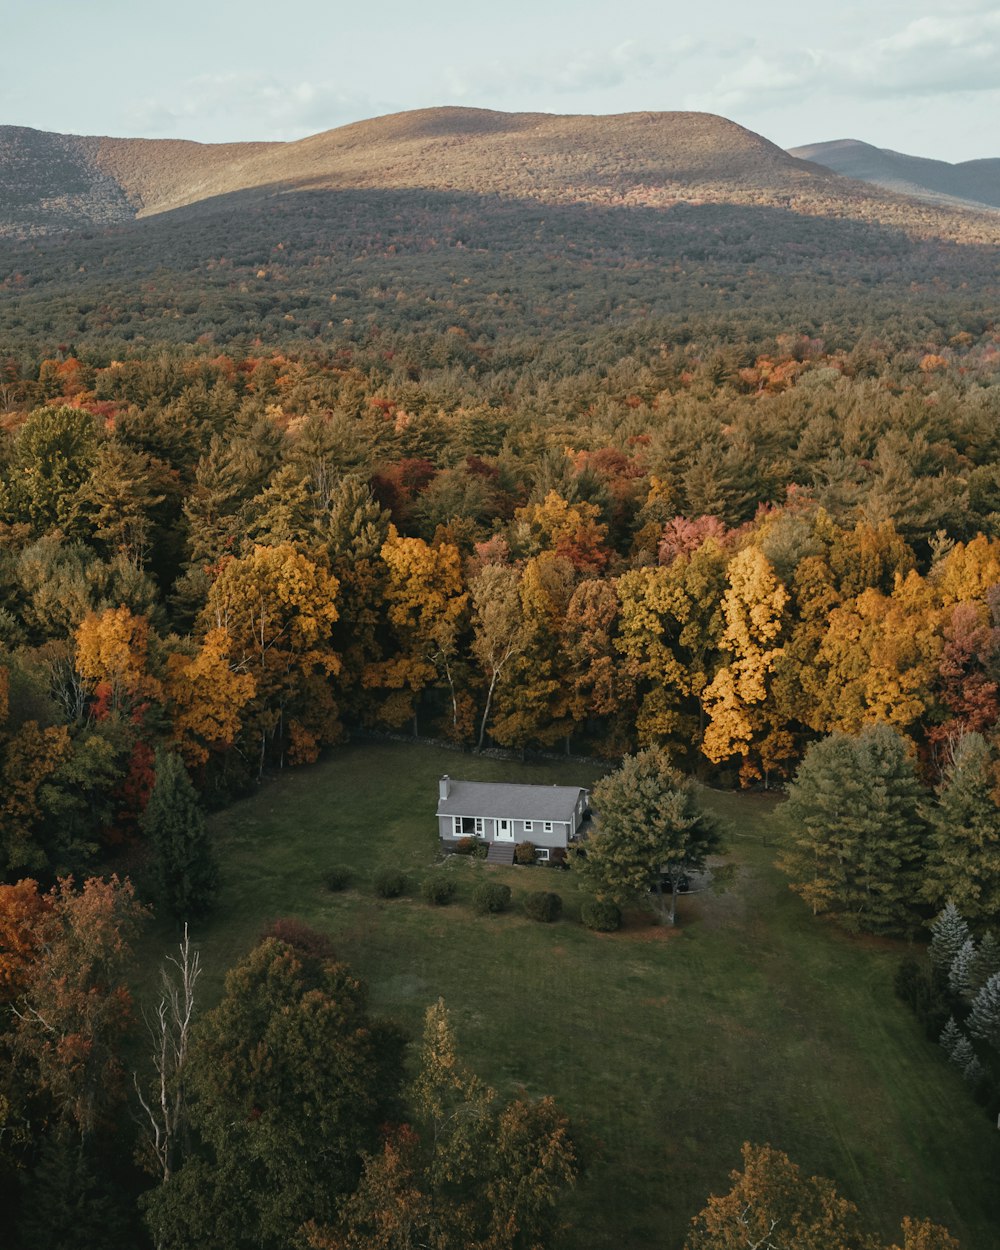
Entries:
{"x":897,"y":74}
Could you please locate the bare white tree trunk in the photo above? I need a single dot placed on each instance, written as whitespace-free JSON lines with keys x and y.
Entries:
{"x":163,"y":1104}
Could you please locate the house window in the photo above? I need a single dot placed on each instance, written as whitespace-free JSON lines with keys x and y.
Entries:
{"x":456,"y":822}
{"x":529,"y":826}
{"x":480,"y":826}
{"x":541,"y":853}
{"x":547,"y":826}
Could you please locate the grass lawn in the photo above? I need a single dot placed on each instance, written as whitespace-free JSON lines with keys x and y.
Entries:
{"x":752,"y":1021}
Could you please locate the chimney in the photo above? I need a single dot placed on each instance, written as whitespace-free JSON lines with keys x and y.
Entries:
{"x":444,"y":785}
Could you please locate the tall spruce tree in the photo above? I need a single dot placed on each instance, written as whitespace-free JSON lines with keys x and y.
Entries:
{"x":984,"y":1019}
{"x":949,"y":933}
{"x":855,"y":813}
{"x":185,"y":871}
{"x":964,"y":863}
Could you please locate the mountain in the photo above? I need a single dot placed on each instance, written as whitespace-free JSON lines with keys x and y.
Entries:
{"x":969,"y":183}
{"x":469,"y":227}
{"x":52,"y":182}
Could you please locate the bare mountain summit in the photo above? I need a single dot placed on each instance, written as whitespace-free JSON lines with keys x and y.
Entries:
{"x":969,"y":183}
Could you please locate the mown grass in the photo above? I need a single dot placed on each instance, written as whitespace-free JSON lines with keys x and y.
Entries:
{"x":752,"y":1021}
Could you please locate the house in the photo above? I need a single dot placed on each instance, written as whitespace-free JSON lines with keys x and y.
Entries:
{"x":498,"y":812}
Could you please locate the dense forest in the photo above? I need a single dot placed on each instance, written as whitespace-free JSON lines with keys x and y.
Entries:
{"x":716,"y":479}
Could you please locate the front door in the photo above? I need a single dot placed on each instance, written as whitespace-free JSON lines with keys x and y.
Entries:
{"x":505,"y":831}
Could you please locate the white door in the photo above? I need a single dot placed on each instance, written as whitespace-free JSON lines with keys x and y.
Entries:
{"x":505,"y":831}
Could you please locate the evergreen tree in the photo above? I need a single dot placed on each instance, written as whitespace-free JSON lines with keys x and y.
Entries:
{"x":951,"y":1036}
{"x":962,"y":1053}
{"x":949,"y":933}
{"x":960,"y":972}
{"x":650,"y":826}
{"x":987,"y":960}
{"x":964,"y":862}
{"x":856,"y":816}
{"x":984,"y":1019}
{"x":185,"y":870}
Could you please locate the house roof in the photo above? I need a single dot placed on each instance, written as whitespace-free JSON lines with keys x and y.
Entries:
{"x":512,"y":802}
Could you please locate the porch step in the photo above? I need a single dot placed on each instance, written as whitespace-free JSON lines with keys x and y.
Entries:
{"x":500,"y":853}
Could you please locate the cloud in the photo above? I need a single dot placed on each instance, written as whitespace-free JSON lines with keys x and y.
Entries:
{"x":930,"y":56}
{"x":214,"y":107}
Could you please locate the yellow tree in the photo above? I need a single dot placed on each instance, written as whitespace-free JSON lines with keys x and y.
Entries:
{"x":569,"y":530}
{"x":112,"y":653}
{"x":278,"y":609}
{"x":878,"y":659}
{"x":532,"y":702}
{"x":598,"y":685}
{"x":737,"y":699}
{"x":204,"y":697}
{"x":427,"y":608}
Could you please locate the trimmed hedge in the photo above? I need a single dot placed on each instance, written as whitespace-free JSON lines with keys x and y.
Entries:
{"x":545,"y":906}
{"x":525,"y":853}
{"x":389,"y":883}
{"x":599,"y":914}
{"x":489,"y":898}
{"x":438,"y":891}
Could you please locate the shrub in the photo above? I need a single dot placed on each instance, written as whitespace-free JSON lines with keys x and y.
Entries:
{"x":300,"y":936}
{"x":465,"y":846}
{"x":524,"y":853}
{"x":599,"y":914}
{"x":545,"y":906}
{"x":389,"y":883}
{"x":337,"y":879}
{"x":558,"y":857}
{"x":438,"y":890}
{"x":488,"y":897}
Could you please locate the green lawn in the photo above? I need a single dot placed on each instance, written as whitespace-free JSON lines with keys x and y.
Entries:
{"x":753,"y":1021}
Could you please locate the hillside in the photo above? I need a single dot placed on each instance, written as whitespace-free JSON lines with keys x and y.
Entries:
{"x":58,"y":182}
{"x":969,"y":183}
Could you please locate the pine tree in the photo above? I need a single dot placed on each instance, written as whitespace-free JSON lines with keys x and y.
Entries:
{"x":963,"y":1053}
{"x":960,"y":972}
{"x":987,"y":960}
{"x":185,"y":870}
{"x":949,"y":933}
{"x":856,"y":816}
{"x":984,"y":1019}
{"x":951,"y":1036}
{"x":964,"y":863}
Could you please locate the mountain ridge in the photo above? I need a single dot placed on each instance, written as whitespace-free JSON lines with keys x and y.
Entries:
{"x":51,"y":182}
{"x":974,"y":183}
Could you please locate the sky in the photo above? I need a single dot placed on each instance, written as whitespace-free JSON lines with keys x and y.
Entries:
{"x":919,"y":78}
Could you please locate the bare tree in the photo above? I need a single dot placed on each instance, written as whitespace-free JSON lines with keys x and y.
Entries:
{"x":163,"y":1104}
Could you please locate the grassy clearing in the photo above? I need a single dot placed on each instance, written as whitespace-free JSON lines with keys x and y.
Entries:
{"x":753,"y":1021}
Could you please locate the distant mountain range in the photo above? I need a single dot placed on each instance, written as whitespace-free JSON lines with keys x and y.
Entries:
{"x":969,"y":183}
{"x":54,"y":183}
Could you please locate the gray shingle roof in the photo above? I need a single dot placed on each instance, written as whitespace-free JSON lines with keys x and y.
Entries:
{"x":512,"y":802}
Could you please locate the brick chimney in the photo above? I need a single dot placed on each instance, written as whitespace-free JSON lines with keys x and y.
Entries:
{"x":444,"y":785}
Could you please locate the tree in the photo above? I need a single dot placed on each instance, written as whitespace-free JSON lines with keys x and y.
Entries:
{"x":856,"y":817}
{"x":737,"y":701}
{"x":205,"y":696}
{"x":465,"y":1171}
{"x":52,"y":457}
{"x":185,"y":870}
{"x":164,"y":1105}
{"x":964,"y":861}
{"x":949,"y":933}
{"x":772,"y":1206}
{"x":650,"y":827}
{"x":289,"y":1079}
{"x":984,"y":1019}
{"x":75,"y":1006}
{"x":278,"y":609}
{"x":498,"y":625}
